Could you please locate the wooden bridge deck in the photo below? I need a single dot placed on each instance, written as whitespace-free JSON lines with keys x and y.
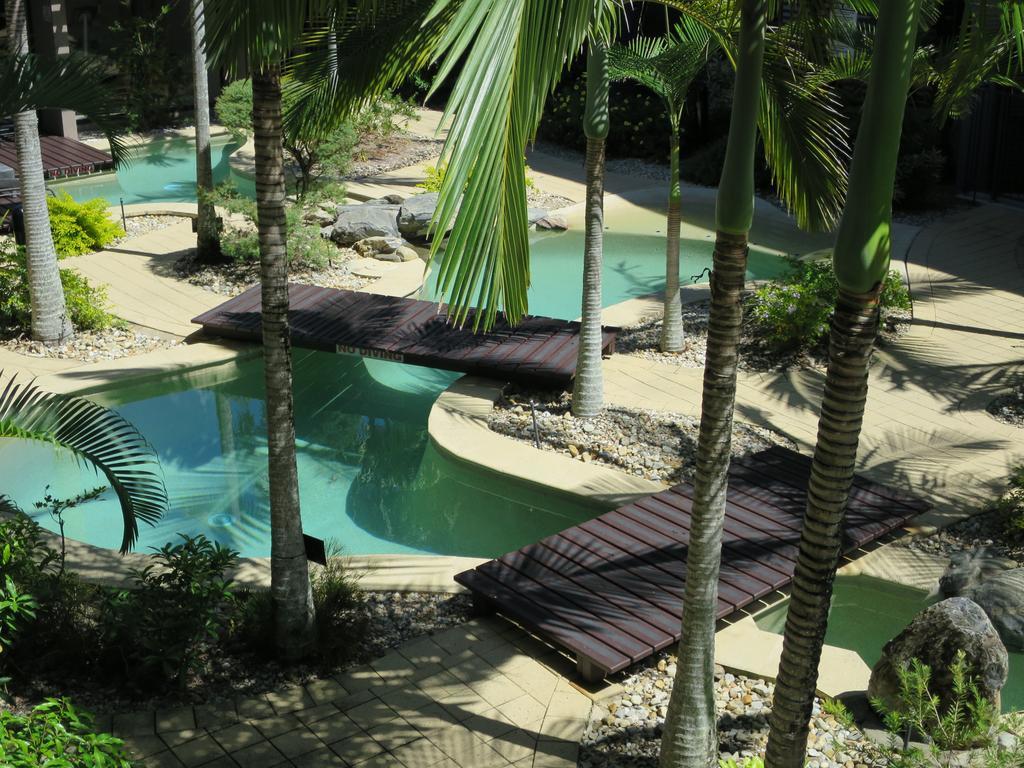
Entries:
{"x":62,"y":157}
{"x":539,"y":350}
{"x":610,"y":590}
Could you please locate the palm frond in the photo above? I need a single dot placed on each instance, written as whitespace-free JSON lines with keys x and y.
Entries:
{"x":97,"y":435}
{"x":76,"y":82}
{"x":511,"y":54}
{"x":8,"y":506}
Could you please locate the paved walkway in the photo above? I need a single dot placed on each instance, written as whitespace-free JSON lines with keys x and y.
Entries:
{"x":482,"y":695}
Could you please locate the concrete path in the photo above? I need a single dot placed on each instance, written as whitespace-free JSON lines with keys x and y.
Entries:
{"x":481,"y":695}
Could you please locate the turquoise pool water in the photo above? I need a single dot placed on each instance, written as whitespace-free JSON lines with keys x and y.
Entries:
{"x":161,"y":171}
{"x":867,"y":612}
{"x":369,"y":477}
{"x":634,"y":265}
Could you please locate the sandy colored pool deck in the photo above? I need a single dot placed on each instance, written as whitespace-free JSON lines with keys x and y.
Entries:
{"x":486,"y":693}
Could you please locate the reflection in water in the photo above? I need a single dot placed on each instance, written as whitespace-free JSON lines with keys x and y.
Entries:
{"x":369,"y":477}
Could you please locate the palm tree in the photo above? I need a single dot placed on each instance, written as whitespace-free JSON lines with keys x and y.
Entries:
{"x":28,"y":84}
{"x":588,"y":386}
{"x":207,"y":240}
{"x":667,"y":66}
{"x":96,"y":436}
{"x":861,"y":260}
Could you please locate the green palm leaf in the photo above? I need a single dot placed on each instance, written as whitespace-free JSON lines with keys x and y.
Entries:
{"x":100,"y":437}
{"x":74,"y":82}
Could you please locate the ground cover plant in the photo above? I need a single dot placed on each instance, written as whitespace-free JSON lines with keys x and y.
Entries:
{"x":57,"y":734}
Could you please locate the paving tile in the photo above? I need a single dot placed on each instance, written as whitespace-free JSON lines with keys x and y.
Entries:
{"x":371,"y":713}
{"x":321,"y":758}
{"x":140,"y":723}
{"x":143,"y":746}
{"x":477,"y":754}
{"x":275,"y":726}
{"x":165,"y":759}
{"x":432,"y":718}
{"x":221,"y":762}
{"x":406,"y":699}
{"x":423,"y":651}
{"x":455,"y":741}
{"x":358,"y":679}
{"x":254,"y":707}
{"x":489,"y":725}
{"x":198,"y":751}
{"x":515,"y":745}
{"x":320,"y":712}
{"x":180,"y":719}
{"x":261,"y":755}
{"x":394,"y":734}
{"x":496,"y":689}
{"x":297,"y":742}
{"x":556,"y":754}
{"x":526,"y":711}
{"x":325,"y":690}
{"x":440,"y":685}
{"x":355,"y":699}
{"x":564,"y":728}
{"x":238,"y":736}
{"x":420,"y":753}
{"x":356,"y":748}
{"x":213,"y":717}
{"x":334,"y":728}
{"x":174,"y":738}
{"x":465,"y":703}
{"x":289,"y":699}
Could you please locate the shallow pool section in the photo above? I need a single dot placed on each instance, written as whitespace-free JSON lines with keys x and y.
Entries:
{"x":634,"y":265}
{"x":866,"y":613}
{"x":370,"y":479}
{"x":160,"y":171}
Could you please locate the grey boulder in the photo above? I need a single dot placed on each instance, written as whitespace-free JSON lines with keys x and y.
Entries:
{"x":415,"y":215}
{"x":935,"y":636}
{"x":994,"y":585}
{"x":358,"y":222}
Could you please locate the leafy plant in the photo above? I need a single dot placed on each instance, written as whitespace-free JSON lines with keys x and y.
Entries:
{"x":964,"y":722}
{"x":747,"y":762}
{"x":838,"y":710}
{"x":57,"y":507}
{"x":179,"y":609}
{"x":56,"y":734}
{"x":794,"y":312}
{"x":80,"y":227}
{"x":23,"y":559}
{"x":435,"y":177}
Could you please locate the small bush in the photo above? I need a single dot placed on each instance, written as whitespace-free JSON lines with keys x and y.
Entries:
{"x":965,"y":722}
{"x":80,"y":227}
{"x":794,"y":312}
{"x":436,"y":175}
{"x":56,"y":734}
{"x":746,"y":762}
{"x":180,"y":608}
{"x":86,"y":303}
{"x":839,"y":711}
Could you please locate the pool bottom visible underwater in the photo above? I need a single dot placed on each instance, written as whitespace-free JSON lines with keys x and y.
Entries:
{"x":370,"y":479}
{"x":866,"y":613}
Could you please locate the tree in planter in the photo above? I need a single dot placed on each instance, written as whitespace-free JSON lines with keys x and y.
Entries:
{"x":667,"y":66}
{"x":207,"y":241}
{"x":26,"y":85}
{"x":861,"y":261}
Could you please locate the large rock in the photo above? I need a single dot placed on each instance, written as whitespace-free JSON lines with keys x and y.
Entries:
{"x":935,"y":636}
{"x":415,"y":215}
{"x":358,"y":222}
{"x":994,"y":585}
{"x":553,"y":222}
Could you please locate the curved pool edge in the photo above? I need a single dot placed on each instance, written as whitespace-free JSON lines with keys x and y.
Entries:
{"x":457,"y":425}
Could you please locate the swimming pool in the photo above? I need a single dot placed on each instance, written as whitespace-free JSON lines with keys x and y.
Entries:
{"x":867,"y":612}
{"x":160,"y":171}
{"x":633,"y":264}
{"x":370,"y":479}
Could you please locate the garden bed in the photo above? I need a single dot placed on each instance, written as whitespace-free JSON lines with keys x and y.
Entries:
{"x":92,"y":346}
{"x":656,"y":445}
{"x":233,"y":278}
{"x":1009,"y":408}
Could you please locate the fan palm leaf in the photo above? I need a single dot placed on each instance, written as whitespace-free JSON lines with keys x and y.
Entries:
{"x":96,"y":435}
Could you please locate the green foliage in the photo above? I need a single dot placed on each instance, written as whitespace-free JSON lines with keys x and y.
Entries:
{"x":234,"y":109}
{"x":747,"y":762}
{"x":154,"y":74}
{"x":179,"y":609}
{"x":919,"y":179}
{"x":838,"y":710}
{"x":80,"y":227}
{"x":24,"y":559}
{"x":435,"y":177}
{"x":964,"y":722}
{"x":86,"y":303}
{"x":793,"y":313}
{"x":56,"y":734}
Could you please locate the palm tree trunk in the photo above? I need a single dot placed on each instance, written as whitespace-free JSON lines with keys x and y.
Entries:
{"x":672,"y":334}
{"x":861,"y":260}
{"x":50,"y":321}
{"x":690,"y":739}
{"x":588,"y":386}
{"x":207,"y":241}
{"x":289,"y":572}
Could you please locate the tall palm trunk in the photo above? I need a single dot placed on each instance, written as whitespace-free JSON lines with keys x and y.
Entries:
{"x":588,"y":386}
{"x":50,"y":321}
{"x":861,"y":260}
{"x":672,"y":322}
{"x":690,"y":739}
{"x":207,"y":241}
{"x":289,"y":572}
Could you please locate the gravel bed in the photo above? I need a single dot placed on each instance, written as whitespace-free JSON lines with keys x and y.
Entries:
{"x":535,"y":198}
{"x":233,"y":278}
{"x":643,"y":340}
{"x":626,"y":733}
{"x":92,"y":346}
{"x":397,"y":151}
{"x":990,"y":529}
{"x":141,"y":225}
{"x":656,"y":445}
{"x":1009,"y":408}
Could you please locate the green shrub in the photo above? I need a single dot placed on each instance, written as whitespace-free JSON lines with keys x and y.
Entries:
{"x":80,"y":227}
{"x":179,"y":610}
{"x":794,"y":312}
{"x":86,"y":303}
{"x":56,"y":734}
{"x":965,"y":722}
{"x":839,"y":711}
{"x":747,"y":762}
{"x":435,"y":177}
{"x":918,"y":179}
